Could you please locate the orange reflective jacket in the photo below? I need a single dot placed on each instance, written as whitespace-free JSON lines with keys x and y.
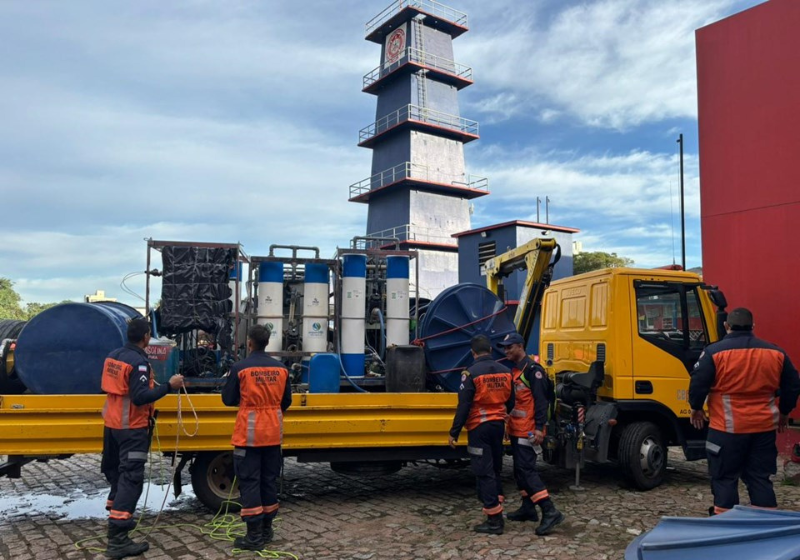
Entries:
{"x":492,"y":391}
{"x":119,"y":412}
{"x":259,"y":422}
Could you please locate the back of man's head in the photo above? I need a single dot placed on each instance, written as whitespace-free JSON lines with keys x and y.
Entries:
{"x":138,"y":329}
{"x":259,"y":337}
{"x":740,"y":319}
{"x":480,"y":344}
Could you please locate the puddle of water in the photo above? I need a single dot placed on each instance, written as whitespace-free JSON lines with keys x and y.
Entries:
{"x":82,"y":505}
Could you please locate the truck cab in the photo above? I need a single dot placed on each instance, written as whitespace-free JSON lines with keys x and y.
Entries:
{"x":639,"y":333}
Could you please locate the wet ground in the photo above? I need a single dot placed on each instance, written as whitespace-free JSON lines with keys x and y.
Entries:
{"x":422,"y":512}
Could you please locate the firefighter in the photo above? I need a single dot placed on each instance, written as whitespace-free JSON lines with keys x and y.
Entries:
{"x":259,"y":386}
{"x":484,"y":400}
{"x":752,"y":387}
{"x":526,"y":429}
{"x":128,"y":417}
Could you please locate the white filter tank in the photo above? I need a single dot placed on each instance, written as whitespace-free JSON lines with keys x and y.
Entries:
{"x":397,"y":313}
{"x":315,"y":308}
{"x":354,"y":287}
{"x":270,"y":302}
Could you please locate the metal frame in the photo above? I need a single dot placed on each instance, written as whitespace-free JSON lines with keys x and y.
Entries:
{"x":415,"y":113}
{"x":428,"y":6}
{"x":241,"y":257}
{"x":419,"y":57}
{"x":418,"y":172}
{"x":295,"y":263}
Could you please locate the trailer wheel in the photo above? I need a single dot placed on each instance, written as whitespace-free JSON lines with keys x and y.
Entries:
{"x":212,"y":479}
{"x":642,"y":455}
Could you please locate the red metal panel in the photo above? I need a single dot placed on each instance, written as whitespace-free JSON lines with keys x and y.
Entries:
{"x":749,"y":119}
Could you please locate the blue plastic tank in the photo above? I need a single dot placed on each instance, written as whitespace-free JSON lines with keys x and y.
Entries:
{"x":323,"y":373}
{"x":61,"y":351}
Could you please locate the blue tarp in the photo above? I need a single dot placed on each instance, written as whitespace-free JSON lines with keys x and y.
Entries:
{"x":743,"y":533}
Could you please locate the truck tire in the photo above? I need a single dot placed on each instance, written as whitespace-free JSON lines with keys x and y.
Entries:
{"x":642,"y":455}
{"x":212,"y":478}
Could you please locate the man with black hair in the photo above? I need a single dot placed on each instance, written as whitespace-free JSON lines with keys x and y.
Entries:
{"x":485,"y":398}
{"x":259,"y":385}
{"x":128,"y":381}
{"x":751,"y":386}
{"x":526,"y":428}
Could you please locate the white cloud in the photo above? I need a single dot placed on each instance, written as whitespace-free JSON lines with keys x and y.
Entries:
{"x":606,"y":63}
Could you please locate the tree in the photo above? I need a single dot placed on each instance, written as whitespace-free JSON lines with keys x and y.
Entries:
{"x":585,"y":262}
{"x":9,"y":301}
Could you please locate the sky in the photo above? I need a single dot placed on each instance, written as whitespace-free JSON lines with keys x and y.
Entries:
{"x":237,"y":121}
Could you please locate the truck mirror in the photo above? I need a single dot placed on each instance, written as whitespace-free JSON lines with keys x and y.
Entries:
{"x":718,"y":298}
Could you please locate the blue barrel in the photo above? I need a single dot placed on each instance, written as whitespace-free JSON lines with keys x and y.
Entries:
{"x":323,"y":373}
{"x":61,"y":351}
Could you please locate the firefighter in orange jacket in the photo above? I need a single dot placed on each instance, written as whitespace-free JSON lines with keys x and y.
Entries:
{"x":484,"y":399}
{"x":752,"y":387}
{"x":526,"y":429}
{"x":128,"y":417}
{"x":259,"y":386}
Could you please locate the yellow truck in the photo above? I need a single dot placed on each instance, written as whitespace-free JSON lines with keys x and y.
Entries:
{"x":619,"y":344}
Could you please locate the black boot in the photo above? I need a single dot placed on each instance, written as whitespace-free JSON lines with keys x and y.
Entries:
{"x":254,"y":540}
{"x":120,"y":544}
{"x":711,"y":512}
{"x":526,"y":512}
{"x":550,"y":517}
{"x":492,"y":526}
{"x":266,"y":531}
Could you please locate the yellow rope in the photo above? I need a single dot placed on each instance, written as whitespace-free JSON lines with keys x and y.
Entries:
{"x":224,"y":526}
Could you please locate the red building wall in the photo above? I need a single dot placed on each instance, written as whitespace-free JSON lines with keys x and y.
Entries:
{"x":748,"y":68}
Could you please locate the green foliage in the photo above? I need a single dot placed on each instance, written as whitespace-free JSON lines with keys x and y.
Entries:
{"x":597,"y":260}
{"x":10,"y":307}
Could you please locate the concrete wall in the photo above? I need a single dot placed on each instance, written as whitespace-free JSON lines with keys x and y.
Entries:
{"x":443,"y":157}
{"x":438,"y":270}
{"x":395,"y":95}
{"x":428,"y":93}
{"x":439,"y":214}
{"x":390,"y":151}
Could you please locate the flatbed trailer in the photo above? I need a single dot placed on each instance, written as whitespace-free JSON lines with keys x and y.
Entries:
{"x":373,"y":433}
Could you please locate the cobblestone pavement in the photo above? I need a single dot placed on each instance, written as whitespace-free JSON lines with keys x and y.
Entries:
{"x":422,"y":512}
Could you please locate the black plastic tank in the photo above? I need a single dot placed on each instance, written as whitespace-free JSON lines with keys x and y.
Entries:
{"x":405,"y":369}
{"x":61,"y":351}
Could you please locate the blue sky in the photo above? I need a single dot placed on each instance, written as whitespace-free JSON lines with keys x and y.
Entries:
{"x":237,"y":120}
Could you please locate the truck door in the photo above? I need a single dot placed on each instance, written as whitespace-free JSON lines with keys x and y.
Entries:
{"x":670,"y":334}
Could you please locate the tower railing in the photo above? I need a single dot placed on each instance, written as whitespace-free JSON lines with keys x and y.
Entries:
{"x":419,"y":114}
{"x":419,"y":57}
{"x":420,"y":234}
{"x":409,"y":170}
{"x":429,"y":6}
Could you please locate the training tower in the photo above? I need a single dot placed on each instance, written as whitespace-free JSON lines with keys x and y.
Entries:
{"x":418,"y":192}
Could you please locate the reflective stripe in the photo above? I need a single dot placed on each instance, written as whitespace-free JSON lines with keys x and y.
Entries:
{"x":776,"y":414}
{"x":477,"y":451}
{"x":114,"y":514}
{"x":240,"y":452}
{"x":517,"y":413}
{"x":105,"y":408}
{"x":137,"y":456}
{"x":126,"y":412}
{"x":713,"y":448}
{"x":251,"y":428}
{"x":270,"y":509}
{"x":524,"y":441}
{"x":483,"y":415}
{"x":728,"y":408}
{"x":539,"y":496}
{"x":718,"y":510}
{"x":493,"y":511}
{"x":523,"y":493}
{"x":246,"y":512}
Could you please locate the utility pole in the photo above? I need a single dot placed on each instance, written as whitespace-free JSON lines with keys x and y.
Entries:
{"x":547,"y":210}
{"x":683,"y":215}
{"x":538,"y":204}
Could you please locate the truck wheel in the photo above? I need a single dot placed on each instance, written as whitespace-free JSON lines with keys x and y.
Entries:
{"x":642,"y":455}
{"x":212,"y":479}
